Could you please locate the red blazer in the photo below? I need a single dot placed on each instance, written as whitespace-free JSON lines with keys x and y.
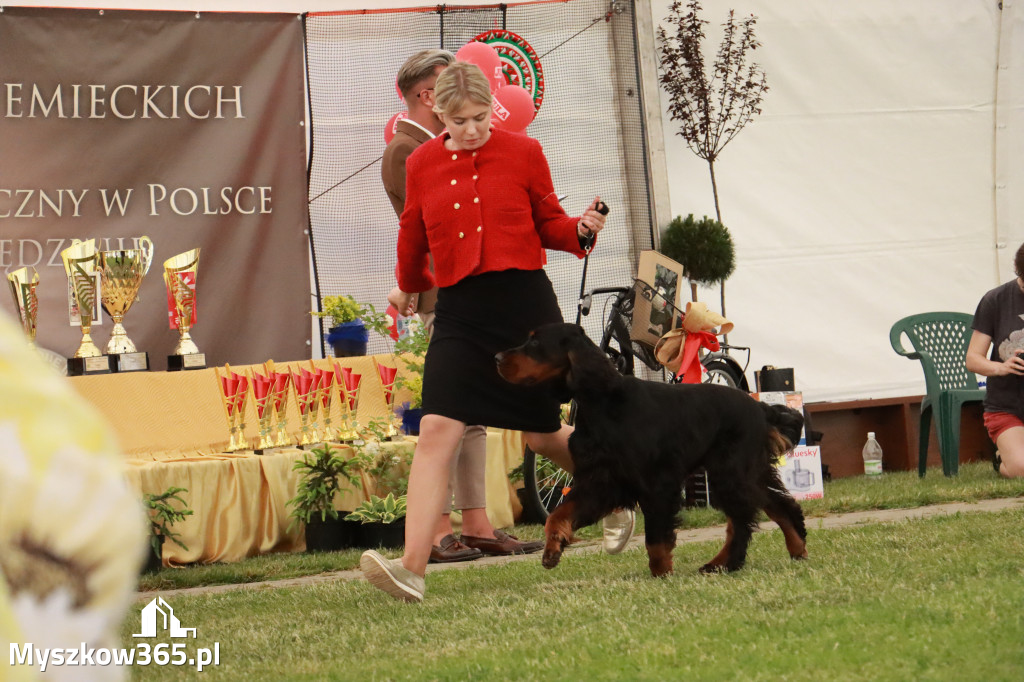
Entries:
{"x":483,"y":211}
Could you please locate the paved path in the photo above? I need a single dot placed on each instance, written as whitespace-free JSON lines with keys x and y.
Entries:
{"x":682,"y":536}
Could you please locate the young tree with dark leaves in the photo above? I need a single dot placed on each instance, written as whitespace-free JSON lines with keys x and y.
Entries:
{"x":710,"y":111}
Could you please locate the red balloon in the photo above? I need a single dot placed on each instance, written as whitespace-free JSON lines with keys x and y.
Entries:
{"x":392,"y":125}
{"x":512,"y":108}
{"x":486,"y":57}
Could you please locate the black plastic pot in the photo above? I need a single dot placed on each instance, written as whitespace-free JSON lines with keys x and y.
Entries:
{"x":386,"y":535}
{"x":330,"y":535}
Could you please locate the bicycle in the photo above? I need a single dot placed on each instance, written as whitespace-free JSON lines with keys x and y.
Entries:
{"x":544,"y":483}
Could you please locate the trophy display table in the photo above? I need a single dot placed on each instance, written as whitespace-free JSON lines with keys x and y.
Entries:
{"x":173,"y":432}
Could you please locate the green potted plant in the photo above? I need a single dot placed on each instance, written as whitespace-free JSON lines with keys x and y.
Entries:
{"x":703,"y":247}
{"x":347,"y":335}
{"x":161,"y":517}
{"x":382,"y":521}
{"x":411,"y":349}
{"x":313,"y":504}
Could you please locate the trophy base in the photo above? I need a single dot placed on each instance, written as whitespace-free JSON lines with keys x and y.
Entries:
{"x":100,"y":364}
{"x":129,"y":362}
{"x":177,"y":363}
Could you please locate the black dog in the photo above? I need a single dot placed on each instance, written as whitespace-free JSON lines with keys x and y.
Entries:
{"x":636,"y":441}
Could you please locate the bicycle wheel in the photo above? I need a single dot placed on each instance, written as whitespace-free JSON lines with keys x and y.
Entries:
{"x":544,"y":485}
{"x":722,"y":373}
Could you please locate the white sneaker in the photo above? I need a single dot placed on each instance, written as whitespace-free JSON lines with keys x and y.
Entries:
{"x":392,"y":577}
{"x":618,"y":529}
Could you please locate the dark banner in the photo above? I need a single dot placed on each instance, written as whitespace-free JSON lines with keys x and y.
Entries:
{"x":183,"y":127}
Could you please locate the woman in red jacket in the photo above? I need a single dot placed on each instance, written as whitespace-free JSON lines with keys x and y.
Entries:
{"x":481,"y":201}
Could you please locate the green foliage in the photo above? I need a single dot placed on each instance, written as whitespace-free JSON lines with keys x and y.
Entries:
{"x":411,"y":349}
{"x":379,"y":510}
{"x":386,"y":465}
{"x":342,"y":309}
{"x":162,"y":515}
{"x":318,"y":483}
{"x":703,"y":247}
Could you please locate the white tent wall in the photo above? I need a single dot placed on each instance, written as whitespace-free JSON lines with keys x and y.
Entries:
{"x":878,"y":181}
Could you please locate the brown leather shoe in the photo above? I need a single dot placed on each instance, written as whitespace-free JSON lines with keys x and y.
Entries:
{"x":502,"y":544}
{"x":452,"y":550}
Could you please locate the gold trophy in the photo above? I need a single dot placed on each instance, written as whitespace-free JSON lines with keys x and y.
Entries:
{"x":306,"y":395}
{"x":348,"y":392}
{"x":234,"y":390}
{"x":26,"y":299}
{"x":387,"y":376}
{"x":263,"y":395}
{"x":326,"y":393}
{"x":180,"y":274}
{"x":121,"y":273}
{"x":80,"y":267}
{"x":280,"y":403}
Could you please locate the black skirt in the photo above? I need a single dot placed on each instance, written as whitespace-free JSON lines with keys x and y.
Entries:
{"x":475,"y":319}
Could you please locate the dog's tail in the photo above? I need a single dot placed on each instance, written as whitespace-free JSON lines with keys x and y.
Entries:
{"x":784,"y":427}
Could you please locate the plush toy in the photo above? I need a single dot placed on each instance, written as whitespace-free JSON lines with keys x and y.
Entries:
{"x":678,"y":349}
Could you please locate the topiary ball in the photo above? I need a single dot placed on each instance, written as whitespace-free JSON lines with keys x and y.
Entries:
{"x":703,"y":247}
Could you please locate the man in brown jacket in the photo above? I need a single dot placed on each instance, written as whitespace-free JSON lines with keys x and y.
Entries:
{"x":416,"y":83}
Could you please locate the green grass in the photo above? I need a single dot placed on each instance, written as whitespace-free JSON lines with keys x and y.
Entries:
{"x":895,"y":490}
{"x":933,"y":599}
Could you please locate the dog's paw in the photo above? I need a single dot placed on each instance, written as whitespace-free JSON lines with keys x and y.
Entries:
{"x":551,"y":558}
{"x":556,"y":544}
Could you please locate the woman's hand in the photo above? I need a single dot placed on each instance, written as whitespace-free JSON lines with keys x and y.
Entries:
{"x":405,"y":303}
{"x":1013,"y":365}
{"x":591,"y":222}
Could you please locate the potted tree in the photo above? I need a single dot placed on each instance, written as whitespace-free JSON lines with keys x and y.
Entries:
{"x":347,"y":335}
{"x":313,"y":504}
{"x":161,"y":517}
{"x":382,"y":521}
{"x":703,"y":247}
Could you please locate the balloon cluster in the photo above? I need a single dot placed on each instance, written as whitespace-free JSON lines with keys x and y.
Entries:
{"x":512,"y":106}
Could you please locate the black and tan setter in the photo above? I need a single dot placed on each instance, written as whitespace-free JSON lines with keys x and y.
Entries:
{"x":636,"y":441}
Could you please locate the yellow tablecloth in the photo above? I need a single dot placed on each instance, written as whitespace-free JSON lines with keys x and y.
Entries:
{"x":172,"y":429}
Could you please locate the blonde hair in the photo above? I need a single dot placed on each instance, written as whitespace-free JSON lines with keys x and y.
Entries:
{"x":419,"y":67}
{"x":458,"y":84}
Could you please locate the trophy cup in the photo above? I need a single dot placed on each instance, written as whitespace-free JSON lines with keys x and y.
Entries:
{"x":80,"y":267}
{"x":121,"y":273}
{"x":280,"y":401}
{"x":387,"y":381}
{"x":180,"y":278}
{"x":306,"y":393}
{"x":234,"y":390}
{"x":348,"y":391}
{"x":326,"y":393}
{"x":26,"y":299}
{"x":263,"y":394}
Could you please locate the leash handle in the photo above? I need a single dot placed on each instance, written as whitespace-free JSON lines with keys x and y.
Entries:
{"x":588,"y":244}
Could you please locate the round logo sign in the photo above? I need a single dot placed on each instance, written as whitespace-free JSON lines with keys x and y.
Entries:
{"x":519,"y":62}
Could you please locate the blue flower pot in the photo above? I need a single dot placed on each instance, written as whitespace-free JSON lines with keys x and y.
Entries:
{"x":348,"y":339}
{"x":411,"y":421}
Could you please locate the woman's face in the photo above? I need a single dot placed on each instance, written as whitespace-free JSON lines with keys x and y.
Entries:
{"x":469,"y":126}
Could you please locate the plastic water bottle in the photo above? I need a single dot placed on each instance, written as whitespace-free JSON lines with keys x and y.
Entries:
{"x":872,"y":453}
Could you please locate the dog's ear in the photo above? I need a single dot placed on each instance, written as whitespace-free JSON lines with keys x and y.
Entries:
{"x":590,"y":370}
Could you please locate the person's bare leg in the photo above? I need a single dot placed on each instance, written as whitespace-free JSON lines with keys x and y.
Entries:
{"x":1011,"y":450}
{"x":428,"y":484}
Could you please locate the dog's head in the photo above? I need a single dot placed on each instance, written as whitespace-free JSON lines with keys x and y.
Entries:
{"x":561,"y":356}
